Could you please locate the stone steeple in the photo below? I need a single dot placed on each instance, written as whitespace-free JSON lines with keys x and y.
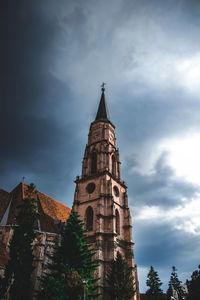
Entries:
{"x":101,"y":197}
{"x":102,"y":113}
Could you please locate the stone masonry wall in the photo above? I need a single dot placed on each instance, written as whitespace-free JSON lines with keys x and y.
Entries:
{"x":43,"y":248}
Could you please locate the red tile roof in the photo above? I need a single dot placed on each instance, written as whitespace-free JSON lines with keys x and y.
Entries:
{"x":50,"y":210}
{"x":53,"y":208}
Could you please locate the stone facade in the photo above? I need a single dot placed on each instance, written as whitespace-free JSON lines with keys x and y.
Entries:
{"x":101,"y":198}
{"x":52,"y":216}
{"x":43,"y":248}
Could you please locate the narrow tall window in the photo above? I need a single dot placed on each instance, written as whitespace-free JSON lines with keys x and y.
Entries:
{"x":89,"y":219}
{"x":113,"y":165}
{"x":117,"y":222}
{"x":93,"y":163}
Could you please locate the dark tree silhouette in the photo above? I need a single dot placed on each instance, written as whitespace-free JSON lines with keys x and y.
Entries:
{"x":120,"y":279}
{"x":175,"y":285}
{"x":153,"y":282}
{"x":194,"y":285}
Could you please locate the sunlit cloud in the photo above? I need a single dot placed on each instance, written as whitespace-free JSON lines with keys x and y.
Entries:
{"x":183,"y":155}
{"x":184,"y":217}
{"x":139,"y":47}
{"x":188,"y":69}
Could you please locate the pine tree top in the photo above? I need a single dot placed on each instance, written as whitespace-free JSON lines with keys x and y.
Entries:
{"x":175,"y":284}
{"x":153,"y":282}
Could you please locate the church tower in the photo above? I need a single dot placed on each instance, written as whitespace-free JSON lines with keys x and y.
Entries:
{"x":101,"y":197}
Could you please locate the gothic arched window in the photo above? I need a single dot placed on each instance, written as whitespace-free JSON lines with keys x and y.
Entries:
{"x":117,"y":222}
{"x":89,"y":219}
{"x":93,"y":163}
{"x":113,"y":165}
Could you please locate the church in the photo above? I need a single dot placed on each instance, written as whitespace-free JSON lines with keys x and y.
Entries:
{"x":100,"y":199}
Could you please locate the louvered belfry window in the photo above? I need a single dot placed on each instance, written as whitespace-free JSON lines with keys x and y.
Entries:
{"x":93,"y":163}
{"x":89,"y":219}
{"x":117,"y":222}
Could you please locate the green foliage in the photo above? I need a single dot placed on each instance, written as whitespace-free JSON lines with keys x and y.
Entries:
{"x":74,"y":254}
{"x":17,"y":280}
{"x":194,"y":285}
{"x":153,"y":282}
{"x":175,"y":286}
{"x":67,"y":285}
{"x":120,"y":279}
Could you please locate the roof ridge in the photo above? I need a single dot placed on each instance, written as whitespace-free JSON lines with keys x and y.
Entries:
{"x":26,"y":185}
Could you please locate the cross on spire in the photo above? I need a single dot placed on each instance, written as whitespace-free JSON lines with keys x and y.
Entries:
{"x":102,"y":86}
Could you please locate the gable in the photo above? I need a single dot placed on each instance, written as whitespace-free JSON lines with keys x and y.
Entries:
{"x":51,"y":211}
{"x":4,"y":202}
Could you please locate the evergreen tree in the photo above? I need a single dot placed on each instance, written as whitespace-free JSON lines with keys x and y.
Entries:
{"x":16,"y":284}
{"x":74,"y":256}
{"x":66,"y":285}
{"x":175,"y":285}
{"x":194,"y":285}
{"x":120,"y":279}
{"x":153,"y":282}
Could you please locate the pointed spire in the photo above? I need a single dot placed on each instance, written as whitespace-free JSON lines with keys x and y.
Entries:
{"x":102,"y":113}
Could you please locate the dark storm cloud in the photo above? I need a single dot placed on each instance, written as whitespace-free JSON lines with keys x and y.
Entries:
{"x":160,"y":187}
{"x":153,"y":116}
{"x":33,"y":139}
{"x":163,"y":246}
{"x":166,"y":246}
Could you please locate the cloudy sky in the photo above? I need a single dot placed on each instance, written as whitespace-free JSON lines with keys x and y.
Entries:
{"x":54,"y":55}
